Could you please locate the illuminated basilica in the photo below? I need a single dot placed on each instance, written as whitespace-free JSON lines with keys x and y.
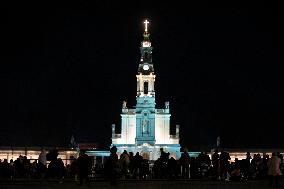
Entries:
{"x":146,"y":129}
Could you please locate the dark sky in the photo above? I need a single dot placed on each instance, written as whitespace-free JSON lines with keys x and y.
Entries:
{"x":66,"y":68}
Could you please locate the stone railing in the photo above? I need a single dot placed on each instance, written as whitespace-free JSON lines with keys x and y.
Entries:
{"x":160,"y":111}
{"x":128,"y":111}
{"x":174,"y":136}
{"x":117,"y":136}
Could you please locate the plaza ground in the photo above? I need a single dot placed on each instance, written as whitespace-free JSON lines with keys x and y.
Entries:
{"x":138,"y":184}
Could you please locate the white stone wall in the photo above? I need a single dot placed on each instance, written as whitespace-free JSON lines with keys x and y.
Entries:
{"x":173,"y":141}
{"x":128,"y":129}
{"x":162,"y":128}
{"x":117,"y":141}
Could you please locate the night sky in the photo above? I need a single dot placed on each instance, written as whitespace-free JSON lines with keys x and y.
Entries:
{"x":66,"y":68}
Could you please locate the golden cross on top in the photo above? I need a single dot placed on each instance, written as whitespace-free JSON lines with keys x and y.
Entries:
{"x":146,"y":25}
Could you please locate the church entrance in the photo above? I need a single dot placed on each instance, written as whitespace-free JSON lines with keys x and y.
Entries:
{"x":145,"y":155}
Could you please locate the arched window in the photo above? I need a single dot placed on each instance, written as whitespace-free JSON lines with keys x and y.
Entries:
{"x":146,"y":87}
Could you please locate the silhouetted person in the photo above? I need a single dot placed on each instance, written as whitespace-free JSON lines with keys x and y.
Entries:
{"x":137,"y":165}
{"x":254,"y":169}
{"x":157,"y":168}
{"x":60,"y":170}
{"x":184,"y":162}
{"x":224,"y":164}
{"x":112,"y":165}
{"x":131,"y":163}
{"x":264,"y":168}
{"x":11,"y":169}
{"x":144,"y":170}
{"x":216,"y":165}
{"x":124,"y":163}
{"x":172,"y":165}
{"x":74,"y":169}
{"x":246,"y":166}
{"x":274,"y":171}
{"x":204,"y":163}
{"x":235,"y":171}
{"x":194,"y":168}
{"x":4,"y":170}
{"x":84,"y":165}
{"x":164,"y":156}
{"x":42,"y":157}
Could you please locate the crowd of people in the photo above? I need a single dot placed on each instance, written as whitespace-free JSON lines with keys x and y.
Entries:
{"x":130,"y":166}
{"x":79,"y":168}
{"x":218,"y":167}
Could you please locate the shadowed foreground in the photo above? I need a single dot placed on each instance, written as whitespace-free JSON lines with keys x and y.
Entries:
{"x":150,"y":184}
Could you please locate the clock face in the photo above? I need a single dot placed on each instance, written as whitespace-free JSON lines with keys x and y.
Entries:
{"x":146,"y":67}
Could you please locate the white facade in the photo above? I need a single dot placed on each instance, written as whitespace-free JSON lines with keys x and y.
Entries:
{"x":128,"y":130}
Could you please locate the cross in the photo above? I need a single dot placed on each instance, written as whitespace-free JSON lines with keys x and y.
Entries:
{"x":146,"y":25}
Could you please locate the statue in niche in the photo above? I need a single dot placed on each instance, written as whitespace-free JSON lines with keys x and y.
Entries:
{"x":124,"y":104}
{"x":145,"y":126}
{"x":167,"y":105}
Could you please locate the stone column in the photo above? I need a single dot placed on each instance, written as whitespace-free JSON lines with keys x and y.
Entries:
{"x":141,"y":86}
{"x":138,"y":87}
{"x":150,"y":85}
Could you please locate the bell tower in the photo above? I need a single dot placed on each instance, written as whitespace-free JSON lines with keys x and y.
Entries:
{"x":145,"y":98}
{"x":146,"y":78}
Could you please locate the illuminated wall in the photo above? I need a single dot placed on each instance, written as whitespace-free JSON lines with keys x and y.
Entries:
{"x":162,"y":128}
{"x":34,"y":154}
